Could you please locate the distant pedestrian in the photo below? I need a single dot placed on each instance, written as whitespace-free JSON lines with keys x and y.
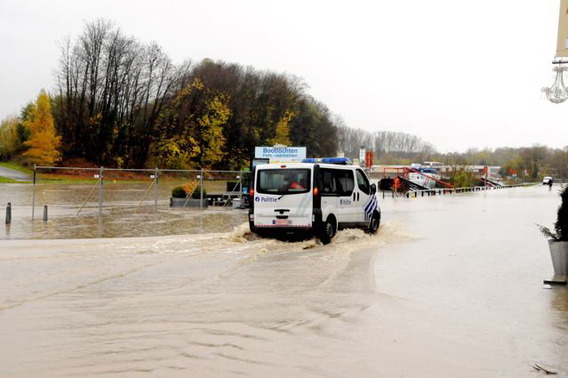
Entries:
{"x":396,"y":184}
{"x":550,"y":184}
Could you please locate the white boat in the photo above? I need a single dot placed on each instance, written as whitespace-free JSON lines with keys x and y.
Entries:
{"x":423,"y":176}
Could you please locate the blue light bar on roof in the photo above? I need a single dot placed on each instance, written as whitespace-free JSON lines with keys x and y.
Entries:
{"x":328,"y":160}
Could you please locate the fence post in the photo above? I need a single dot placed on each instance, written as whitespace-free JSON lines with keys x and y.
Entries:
{"x":9,"y":213}
{"x":33,"y":192}
{"x":156,"y":181}
{"x":45,"y":213}
{"x":101,"y":191}
{"x":201,"y":189}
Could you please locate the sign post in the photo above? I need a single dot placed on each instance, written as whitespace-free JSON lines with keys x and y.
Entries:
{"x":362,"y":155}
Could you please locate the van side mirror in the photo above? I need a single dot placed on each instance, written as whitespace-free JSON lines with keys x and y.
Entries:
{"x":373,"y":188}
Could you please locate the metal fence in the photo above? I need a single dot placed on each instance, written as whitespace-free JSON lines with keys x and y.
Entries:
{"x":74,"y":191}
{"x":94,"y":190}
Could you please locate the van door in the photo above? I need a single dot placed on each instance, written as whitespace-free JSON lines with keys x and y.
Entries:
{"x":336,"y":196}
{"x":365,"y":202}
{"x":329,"y":193}
{"x":347,"y":196}
{"x":283,"y":197}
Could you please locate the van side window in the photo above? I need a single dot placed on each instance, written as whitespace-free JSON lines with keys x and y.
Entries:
{"x":328,"y":182}
{"x":337,"y":182}
{"x":363,"y":182}
{"x":346,"y":182}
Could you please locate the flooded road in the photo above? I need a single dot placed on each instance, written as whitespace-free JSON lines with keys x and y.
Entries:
{"x":128,"y":210}
{"x":451,"y":286}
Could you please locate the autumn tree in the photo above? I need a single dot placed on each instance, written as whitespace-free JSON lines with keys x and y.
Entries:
{"x":264,"y":106}
{"x":115,"y":93}
{"x":12,"y":136}
{"x":190,"y":131}
{"x":209,"y":138}
{"x":282,"y":132}
{"x":43,"y":144}
{"x":111,"y":91}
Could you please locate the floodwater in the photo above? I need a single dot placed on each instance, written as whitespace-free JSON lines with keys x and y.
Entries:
{"x":128,"y":210}
{"x":452,"y":286}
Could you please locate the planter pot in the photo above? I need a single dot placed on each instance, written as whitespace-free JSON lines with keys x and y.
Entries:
{"x":188,"y":202}
{"x":559,"y":255}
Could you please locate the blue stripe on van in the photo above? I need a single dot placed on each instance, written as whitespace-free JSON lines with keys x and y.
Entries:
{"x":370,"y":207}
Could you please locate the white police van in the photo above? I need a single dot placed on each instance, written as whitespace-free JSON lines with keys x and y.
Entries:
{"x":317,"y":196}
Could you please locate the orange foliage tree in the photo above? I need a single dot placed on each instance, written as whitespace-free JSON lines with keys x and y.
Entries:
{"x":43,"y":145}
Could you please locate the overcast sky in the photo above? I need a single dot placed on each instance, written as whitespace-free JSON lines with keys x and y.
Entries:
{"x":459,"y":74}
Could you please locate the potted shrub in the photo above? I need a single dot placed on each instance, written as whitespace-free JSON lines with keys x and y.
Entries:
{"x":188,"y":195}
{"x":178,"y":192}
{"x":558,"y":239}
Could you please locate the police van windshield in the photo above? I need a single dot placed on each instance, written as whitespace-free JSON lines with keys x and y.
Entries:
{"x":283,"y":181}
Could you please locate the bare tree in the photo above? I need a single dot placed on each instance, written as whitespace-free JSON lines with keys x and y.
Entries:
{"x":111,"y":90}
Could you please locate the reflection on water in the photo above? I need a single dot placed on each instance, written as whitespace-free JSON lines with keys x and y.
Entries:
{"x":125,"y":223}
{"x":128,"y":210}
{"x":560,"y":306}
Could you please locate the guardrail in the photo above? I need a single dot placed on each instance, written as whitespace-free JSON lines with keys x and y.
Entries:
{"x":443,"y":191}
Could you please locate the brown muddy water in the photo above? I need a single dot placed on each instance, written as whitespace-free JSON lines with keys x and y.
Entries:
{"x":129,"y":210}
{"x":450,"y":287}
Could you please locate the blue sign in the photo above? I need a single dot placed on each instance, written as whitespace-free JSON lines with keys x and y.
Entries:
{"x":280,"y":154}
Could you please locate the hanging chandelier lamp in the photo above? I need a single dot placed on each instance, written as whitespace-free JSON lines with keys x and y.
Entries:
{"x":558,"y":93}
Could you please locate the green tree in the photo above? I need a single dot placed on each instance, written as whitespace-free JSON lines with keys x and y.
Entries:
{"x":463,"y":179}
{"x":558,"y":164}
{"x":313,"y":127}
{"x":533,"y":158}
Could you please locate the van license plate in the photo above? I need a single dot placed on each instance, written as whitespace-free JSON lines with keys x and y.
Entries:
{"x":282,"y":222}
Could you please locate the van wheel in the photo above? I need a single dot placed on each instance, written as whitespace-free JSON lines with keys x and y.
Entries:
{"x":327,"y":232}
{"x":374,"y":224}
